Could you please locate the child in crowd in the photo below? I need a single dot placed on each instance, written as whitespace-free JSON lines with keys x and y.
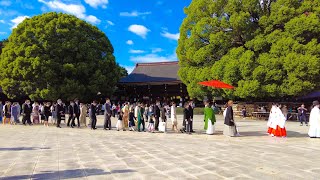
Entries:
{"x":151,"y":124}
{"x":131,"y":120}
{"x":119,"y":123}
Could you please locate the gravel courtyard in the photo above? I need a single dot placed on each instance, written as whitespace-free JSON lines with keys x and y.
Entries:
{"x":37,"y":152}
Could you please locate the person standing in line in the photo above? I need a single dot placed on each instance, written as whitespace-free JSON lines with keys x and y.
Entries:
{"x":190,"y":108}
{"x":302,"y":114}
{"x":26,"y":112}
{"x":125,"y":111}
{"x":53,"y":113}
{"x":209,"y":118}
{"x":119,"y":124}
{"x":36,"y":113}
{"x":229,"y":125}
{"x":76,"y":110}
{"x":14,"y":113}
{"x":60,"y":111}
{"x":140,"y":117}
{"x":1,"y":112}
{"x":163,"y":114}
{"x":284,"y":110}
{"x":186,"y":118}
{"x":174,"y":119}
{"x":7,"y":112}
{"x":19,"y":112}
{"x":131,"y":120}
{"x":107,"y":115}
{"x":83,"y":114}
{"x":93,"y":108}
{"x":146,"y":112}
{"x":314,"y":129}
{"x":114,"y":110}
{"x":136,"y":110}
{"x":156,"y":114}
{"x":151,"y":123}
{"x":41,"y":112}
{"x":71,"y":115}
{"x":47,"y":113}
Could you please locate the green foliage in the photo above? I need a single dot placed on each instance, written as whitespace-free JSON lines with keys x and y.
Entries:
{"x":2,"y":45}
{"x":264,"y":49}
{"x":56,"y":55}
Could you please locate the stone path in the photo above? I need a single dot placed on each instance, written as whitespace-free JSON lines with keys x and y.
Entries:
{"x":37,"y":152}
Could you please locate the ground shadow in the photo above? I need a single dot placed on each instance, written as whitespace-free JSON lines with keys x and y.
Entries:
{"x":296,"y":134}
{"x":23,"y":148}
{"x":68,"y":174}
{"x":253,"y":133}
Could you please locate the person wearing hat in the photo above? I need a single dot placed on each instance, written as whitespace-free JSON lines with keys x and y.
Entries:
{"x":314,"y":121}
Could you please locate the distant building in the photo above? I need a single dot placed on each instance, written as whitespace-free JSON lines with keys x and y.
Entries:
{"x":152,"y":81}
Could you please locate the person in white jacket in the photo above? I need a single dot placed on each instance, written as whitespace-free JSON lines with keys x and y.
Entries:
{"x":174,"y":117}
{"x":314,"y":121}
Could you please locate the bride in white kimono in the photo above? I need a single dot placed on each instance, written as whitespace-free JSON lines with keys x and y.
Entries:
{"x":314,"y":121}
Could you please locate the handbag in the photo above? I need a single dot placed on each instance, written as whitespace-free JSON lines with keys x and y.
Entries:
{"x":162,"y":126}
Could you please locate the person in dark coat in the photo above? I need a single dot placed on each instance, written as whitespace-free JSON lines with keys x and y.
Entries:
{"x":26,"y":112}
{"x":163,"y":114}
{"x":230,"y":127}
{"x":156,"y":112}
{"x":60,"y":111}
{"x":190,"y":108}
{"x":107,"y":115}
{"x":187,"y":118}
{"x":77,"y":112}
{"x":93,"y":114}
{"x":71,"y":115}
{"x":47,"y":113}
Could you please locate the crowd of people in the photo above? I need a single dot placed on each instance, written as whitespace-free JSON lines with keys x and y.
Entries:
{"x":134,"y":117}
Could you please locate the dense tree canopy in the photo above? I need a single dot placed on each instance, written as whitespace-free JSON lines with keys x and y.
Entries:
{"x":264,"y":48}
{"x":56,"y":55}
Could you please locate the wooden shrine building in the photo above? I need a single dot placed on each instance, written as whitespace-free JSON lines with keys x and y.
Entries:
{"x":153,"y":81}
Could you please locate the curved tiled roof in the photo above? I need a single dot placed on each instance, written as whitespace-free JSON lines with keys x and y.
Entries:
{"x":153,"y":73}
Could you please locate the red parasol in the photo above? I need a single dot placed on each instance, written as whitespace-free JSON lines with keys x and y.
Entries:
{"x":216,"y":84}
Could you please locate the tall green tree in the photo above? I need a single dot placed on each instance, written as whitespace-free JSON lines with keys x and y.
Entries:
{"x":264,"y":48}
{"x":56,"y":55}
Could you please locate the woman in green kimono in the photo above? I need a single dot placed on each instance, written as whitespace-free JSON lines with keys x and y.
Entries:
{"x":140,"y":117}
{"x":209,"y":117}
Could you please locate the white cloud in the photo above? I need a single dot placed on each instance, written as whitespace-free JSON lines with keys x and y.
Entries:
{"x":133,"y":51}
{"x":130,"y":42}
{"x":97,"y":3}
{"x":74,"y":9}
{"x":156,"y":50}
{"x":139,"y":30}
{"x":16,"y":21}
{"x":153,"y":58}
{"x":5,"y":3}
{"x":128,"y":68}
{"x":134,"y":14}
{"x":2,"y":21}
{"x":110,"y":23}
{"x":3,"y":33}
{"x":170,"y":36}
{"x":93,"y":19}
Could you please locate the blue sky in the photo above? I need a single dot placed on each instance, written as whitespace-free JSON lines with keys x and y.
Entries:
{"x":140,"y":30}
